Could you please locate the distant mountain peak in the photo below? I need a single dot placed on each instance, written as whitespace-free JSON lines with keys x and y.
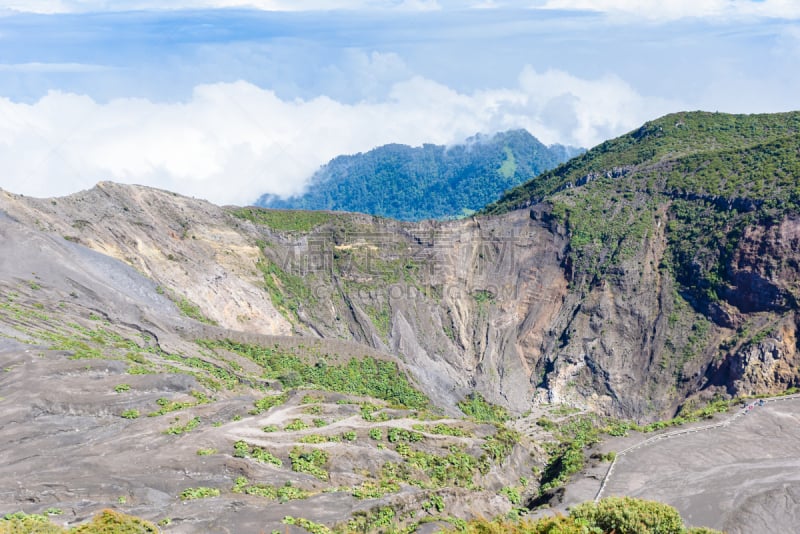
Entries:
{"x":427,"y":182}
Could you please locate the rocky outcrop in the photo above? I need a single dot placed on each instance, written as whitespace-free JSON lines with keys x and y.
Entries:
{"x":187,"y":245}
{"x":765,"y":270}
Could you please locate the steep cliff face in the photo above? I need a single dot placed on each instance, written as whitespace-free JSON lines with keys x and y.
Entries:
{"x":648,"y":275}
{"x":485,"y":304}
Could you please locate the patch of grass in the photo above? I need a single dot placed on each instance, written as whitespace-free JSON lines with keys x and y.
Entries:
{"x":130,"y":414}
{"x":381,"y":318}
{"x":512,"y":494}
{"x":192,"y":311}
{"x":283,"y":220}
{"x":457,"y":468}
{"x":201,"y":492}
{"x":177,"y":429}
{"x":228,"y":378}
{"x":561,"y":466}
{"x":312,"y":399}
{"x":314,"y":409}
{"x":140,"y":370}
{"x":288,"y":292}
{"x":122,"y":388}
{"x":365,"y":376}
{"x":206,"y":452}
{"x":380,"y":520}
{"x":442,"y":430}
{"x":371,"y":413}
{"x":285,"y":493}
{"x":310,"y":526}
{"x":375,"y":490}
{"x":167,"y":406}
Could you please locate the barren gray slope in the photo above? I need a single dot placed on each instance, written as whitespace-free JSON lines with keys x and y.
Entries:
{"x":742,"y":478}
{"x":75,"y":325}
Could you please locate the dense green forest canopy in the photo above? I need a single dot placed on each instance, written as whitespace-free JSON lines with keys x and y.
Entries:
{"x":710,"y":152}
{"x":427,"y":182}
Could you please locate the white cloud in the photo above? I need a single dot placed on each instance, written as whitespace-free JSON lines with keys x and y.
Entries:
{"x":678,"y":9}
{"x":83,"y":6}
{"x":230,"y":143}
{"x":649,"y":9}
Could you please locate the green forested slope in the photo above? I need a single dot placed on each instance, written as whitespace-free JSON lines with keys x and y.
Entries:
{"x":707,"y":176}
{"x":432,"y":181}
{"x":707,"y":141}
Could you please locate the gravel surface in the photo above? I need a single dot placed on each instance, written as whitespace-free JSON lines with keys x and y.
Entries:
{"x":740,"y":478}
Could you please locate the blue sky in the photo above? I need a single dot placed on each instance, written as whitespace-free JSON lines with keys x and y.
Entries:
{"x":229,"y":99}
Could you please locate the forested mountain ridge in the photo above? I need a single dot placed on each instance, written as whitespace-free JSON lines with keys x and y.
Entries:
{"x":427,"y":182}
{"x":709,"y":176}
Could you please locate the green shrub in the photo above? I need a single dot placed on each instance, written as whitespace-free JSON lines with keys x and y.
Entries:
{"x":130,"y":414}
{"x":297,"y":424}
{"x":512,"y":494}
{"x":105,"y":522}
{"x":617,"y":515}
{"x":561,"y":466}
{"x":499,"y":446}
{"x":400,"y":434}
{"x":309,"y":461}
{"x":476,"y":407}
{"x":436,"y":502}
{"x":270,"y":401}
{"x":242,"y":449}
{"x":626,"y":515}
{"x":177,"y":429}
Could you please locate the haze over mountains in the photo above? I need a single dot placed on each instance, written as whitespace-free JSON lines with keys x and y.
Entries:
{"x":427,"y":182}
{"x":658,"y":274}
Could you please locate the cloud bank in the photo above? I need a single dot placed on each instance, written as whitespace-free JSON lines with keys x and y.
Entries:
{"x":653,"y":10}
{"x":680,"y":9}
{"x":86,"y":6}
{"x":231,"y":142}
